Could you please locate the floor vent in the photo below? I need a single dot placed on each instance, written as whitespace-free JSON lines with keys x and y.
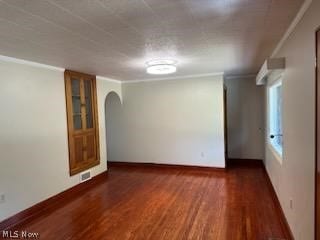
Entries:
{"x":85,"y":176}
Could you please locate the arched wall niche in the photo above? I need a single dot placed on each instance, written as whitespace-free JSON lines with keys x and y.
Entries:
{"x":105,"y":88}
{"x":113,"y":120}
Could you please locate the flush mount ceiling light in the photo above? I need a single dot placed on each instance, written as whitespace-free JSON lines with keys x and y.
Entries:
{"x":159,"y":67}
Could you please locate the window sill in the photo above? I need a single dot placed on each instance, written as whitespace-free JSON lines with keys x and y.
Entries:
{"x":276,"y":152}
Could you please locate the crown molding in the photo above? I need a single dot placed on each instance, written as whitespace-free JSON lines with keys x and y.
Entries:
{"x":305,"y":6}
{"x":175,"y":78}
{"x":40,"y":65}
{"x":231,"y":77}
{"x":30,"y":63}
{"x":108,"y":79}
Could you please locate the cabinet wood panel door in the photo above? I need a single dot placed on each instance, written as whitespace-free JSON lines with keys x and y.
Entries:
{"x":82,"y":115}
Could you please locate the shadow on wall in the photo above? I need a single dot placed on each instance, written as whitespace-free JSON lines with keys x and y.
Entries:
{"x":113,"y":117}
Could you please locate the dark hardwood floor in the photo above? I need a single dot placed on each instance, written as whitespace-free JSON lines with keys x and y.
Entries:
{"x":167,"y":203}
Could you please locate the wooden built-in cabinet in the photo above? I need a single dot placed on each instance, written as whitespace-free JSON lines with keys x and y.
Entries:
{"x":82,"y":117}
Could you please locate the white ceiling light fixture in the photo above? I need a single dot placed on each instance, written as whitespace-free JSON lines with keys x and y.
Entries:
{"x":161,"y":67}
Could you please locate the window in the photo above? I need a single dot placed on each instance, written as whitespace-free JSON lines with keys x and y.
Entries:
{"x":82,"y":121}
{"x":275,"y":116}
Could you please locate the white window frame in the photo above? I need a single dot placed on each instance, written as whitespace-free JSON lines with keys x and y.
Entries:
{"x":276,"y":149}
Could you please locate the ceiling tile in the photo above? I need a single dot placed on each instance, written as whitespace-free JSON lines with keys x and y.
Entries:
{"x":115,"y":38}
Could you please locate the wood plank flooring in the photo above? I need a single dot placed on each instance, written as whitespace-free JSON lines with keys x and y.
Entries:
{"x":167,"y":203}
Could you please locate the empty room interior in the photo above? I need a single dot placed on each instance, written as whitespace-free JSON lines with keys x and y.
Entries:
{"x":160,"y":119}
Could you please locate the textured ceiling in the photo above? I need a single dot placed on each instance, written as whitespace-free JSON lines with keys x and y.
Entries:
{"x":115,"y":38}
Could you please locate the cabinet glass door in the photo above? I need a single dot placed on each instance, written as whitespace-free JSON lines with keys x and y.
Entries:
{"x":76,"y":103}
{"x":88,"y":103}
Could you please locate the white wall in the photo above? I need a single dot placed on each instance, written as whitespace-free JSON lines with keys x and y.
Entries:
{"x":295,"y":177}
{"x":33,"y":135}
{"x":245,"y":108}
{"x":171,"y":122}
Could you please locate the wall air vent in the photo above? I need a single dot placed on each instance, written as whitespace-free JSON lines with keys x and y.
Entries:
{"x":85,"y":176}
{"x":269,"y":66}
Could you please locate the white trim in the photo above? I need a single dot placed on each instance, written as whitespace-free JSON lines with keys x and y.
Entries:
{"x":231,"y":77}
{"x":29,"y":63}
{"x":108,"y":79}
{"x":277,"y":82}
{"x":292,"y":26}
{"x":275,"y":77}
{"x":275,"y":153}
{"x":175,"y":78}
